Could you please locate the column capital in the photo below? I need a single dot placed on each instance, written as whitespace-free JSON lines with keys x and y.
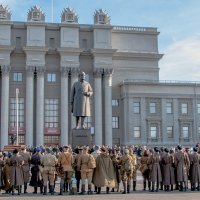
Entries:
{"x":29,"y":70}
{"x":5,"y":69}
{"x":40,"y":70}
{"x":108,"y":72}
{"x":98,"y":72}
{"x":74,"y":71}
{"x":65,"y":71}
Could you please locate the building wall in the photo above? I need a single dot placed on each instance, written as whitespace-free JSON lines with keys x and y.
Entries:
{"x":161,"y":94}
{"x":108,"y":54}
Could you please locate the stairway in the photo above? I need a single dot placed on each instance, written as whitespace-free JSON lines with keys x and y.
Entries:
{"x":10,"y":148}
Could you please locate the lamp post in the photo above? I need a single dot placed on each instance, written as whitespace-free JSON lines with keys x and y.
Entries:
{"x":17,"y":114}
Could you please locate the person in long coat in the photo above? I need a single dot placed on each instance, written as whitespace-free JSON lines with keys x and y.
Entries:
{"x":36,"y":178}
{"x":16,"y":173}
{"x":25,"y":167}
{"x":6,"y":172}
{"x":155,"y":171}
{"x":195,"y":170}
{"x":80,"y":100}
{"x":168,"y":170}
{"x":144,"y":168}
{"x":182,"y":165}
{"x":1,"y":171}
{"x":104,"y":174}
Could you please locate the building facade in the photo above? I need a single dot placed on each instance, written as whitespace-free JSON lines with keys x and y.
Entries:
{"x":129,"y":106}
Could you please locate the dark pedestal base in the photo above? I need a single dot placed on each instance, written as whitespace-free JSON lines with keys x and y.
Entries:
{"x":81,"y":137}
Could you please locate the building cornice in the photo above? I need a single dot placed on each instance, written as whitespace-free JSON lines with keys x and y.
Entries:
{"x":69,"y":25}
{"x":106,"y":52}
{"x":35,"y":23}
{"x":35,"y":49}
{"x":6,"y":48}
{"x":143,"y":55}
{"x":69,"y":50}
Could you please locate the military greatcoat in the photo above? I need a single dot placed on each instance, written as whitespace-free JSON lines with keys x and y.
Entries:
{"x":80,"y":101}
{"x":16,"y":173}
{"x":182,"y":164}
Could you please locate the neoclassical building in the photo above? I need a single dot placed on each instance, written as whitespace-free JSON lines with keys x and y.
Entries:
{"x":40,"y":61}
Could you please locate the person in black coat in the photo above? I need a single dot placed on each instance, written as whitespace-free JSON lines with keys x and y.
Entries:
{"x":36,"y":178}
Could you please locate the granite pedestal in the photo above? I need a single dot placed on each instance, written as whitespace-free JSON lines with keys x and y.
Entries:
{"x":81,"y":137}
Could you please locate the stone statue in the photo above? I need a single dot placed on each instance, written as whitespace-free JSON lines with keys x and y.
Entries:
{"x":80,"y":100}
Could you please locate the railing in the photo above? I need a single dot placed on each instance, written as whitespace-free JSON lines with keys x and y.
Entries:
{"x":136,"y":29}
{"x":161,"y":81}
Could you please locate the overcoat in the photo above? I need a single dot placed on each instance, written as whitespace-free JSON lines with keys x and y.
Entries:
{"x":16,"y":173}
{"x":26,"y":166}
{"x":6,"y":174}
{"x":1,"y":173}
{"x":80,"y":99}
{"x":104,"y":174}
{"x":154,"y":165}
{"x":36,"y":178}
{"x":195,"y":168}
{"x":182,"y":164}
{"x":144,"y":167}
{"x":168,"y":170}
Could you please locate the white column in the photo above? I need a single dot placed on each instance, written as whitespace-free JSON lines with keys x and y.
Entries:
{"x":98,"y":105}
{"x":108,"y":106}
{"x":4,"y":105}
{"x":64,"y":106}
{"x":29,"y":105}
{"x":40,"y":107}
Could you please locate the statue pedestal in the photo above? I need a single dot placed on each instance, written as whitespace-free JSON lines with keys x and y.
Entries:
{"x":81,"y":137}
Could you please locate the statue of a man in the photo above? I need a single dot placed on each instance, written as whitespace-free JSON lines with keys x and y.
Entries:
{"x":80,"y":100}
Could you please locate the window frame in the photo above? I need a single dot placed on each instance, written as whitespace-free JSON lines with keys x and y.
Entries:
{"x":136,"y":107}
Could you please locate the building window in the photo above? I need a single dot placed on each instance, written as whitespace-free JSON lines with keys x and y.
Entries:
{"x":137,"y":132}
{"x":115,"y":102}
{"x":88,"y":122}
{"x":51,"y":113}
{"x":115,"y":122}
{"x":185,"y":130}
{"x":198,"y":108}
{"x":136,"y":107}
{"x":51,"y":77}
{"x":51,"y":139}
{"x":13,"y":112}
{"x":169,"y":108}
{"x":170,"y":132}
{"x":17,"y":76}
{"x":184,"y":108}
{"x":153,"y":132}
{"x":152,"y":107}
{"x":199,"y":131}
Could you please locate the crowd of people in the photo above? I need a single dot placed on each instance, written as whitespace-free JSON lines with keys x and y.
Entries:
{"x":97,"y":167}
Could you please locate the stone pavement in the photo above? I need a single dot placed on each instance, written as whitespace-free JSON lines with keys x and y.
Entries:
{"x":138,"y":195}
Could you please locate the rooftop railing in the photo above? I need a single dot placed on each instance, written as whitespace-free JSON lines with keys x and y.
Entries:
{"x":161,"y":81}
{"x":135,"y":29}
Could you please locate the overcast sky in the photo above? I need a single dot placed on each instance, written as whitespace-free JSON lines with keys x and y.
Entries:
{"x":178,"y":22}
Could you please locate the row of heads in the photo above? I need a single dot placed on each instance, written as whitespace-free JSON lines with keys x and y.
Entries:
{"x":179,"y":147}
